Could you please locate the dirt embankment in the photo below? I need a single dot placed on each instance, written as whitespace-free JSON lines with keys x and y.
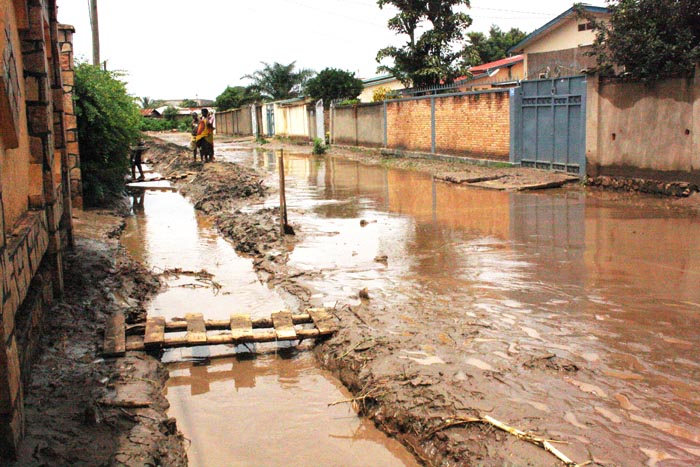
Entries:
{"x":82,"y":409}
{"x":440,"y":412}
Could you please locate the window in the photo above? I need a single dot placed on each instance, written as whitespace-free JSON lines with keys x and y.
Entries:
{"x":585,"y":26}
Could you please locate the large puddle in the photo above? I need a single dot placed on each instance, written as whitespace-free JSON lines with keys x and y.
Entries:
{"x":610,"y":282}
{"x":275,"y":408}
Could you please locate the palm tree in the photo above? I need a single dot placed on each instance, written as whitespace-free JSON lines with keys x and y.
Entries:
{"x":279,"y":81}
{"x":148,"y":103}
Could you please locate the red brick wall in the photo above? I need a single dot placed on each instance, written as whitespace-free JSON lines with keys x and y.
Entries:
{"x":475,"y":124}
{"x":408,"y":125}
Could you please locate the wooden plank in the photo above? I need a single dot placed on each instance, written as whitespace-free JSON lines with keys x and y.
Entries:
{"x":196,"y":330}
{"x":155,"y":331}
{"x":115,"y":336}
{"x":324,"y":321}
{"x":284,"y":325}
{"x":241,"y":328}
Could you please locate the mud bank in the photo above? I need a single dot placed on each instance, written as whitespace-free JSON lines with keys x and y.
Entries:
{"x":427,"y":402}
{"x":80,"y":408}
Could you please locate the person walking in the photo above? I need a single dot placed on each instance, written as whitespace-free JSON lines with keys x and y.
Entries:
{"x":205,"y":136}
{"x":194,"y":126}
{"x":136,"y":153}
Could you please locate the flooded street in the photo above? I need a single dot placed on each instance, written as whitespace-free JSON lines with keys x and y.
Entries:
{"x":244,"y":410}
{"x":573,"y":311}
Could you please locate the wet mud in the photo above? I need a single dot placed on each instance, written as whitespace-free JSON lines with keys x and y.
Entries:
{"x":570,"y":315}
{"x":80,"y":408}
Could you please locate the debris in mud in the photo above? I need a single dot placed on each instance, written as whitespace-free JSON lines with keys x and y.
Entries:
{"x":384,"y":259}
{"x":204,"y":279}
{"x":552,"y":362}
{"x":364,"y":293}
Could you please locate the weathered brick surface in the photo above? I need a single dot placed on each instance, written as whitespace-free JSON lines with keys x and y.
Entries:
{"x":473,"y":124}
{"x":408,"y":125}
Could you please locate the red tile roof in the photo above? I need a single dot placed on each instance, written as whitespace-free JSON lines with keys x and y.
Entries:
{"x":497,"y":64}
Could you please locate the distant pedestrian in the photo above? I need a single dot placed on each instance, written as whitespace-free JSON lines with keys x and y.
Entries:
{"x":194,"y":126}
{"x":136,"y":155}
{"x":205,"y":136}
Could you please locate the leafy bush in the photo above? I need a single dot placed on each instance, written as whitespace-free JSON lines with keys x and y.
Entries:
{"x":170,"y":113}
{"x":350,"y":102}
{"x":108,"y":124}
{"x":157,"y":124}
{"x":380,"y":94}
{"x":319,"y":146}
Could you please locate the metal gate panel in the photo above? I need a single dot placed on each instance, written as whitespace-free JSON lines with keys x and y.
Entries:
{"x":548,"y":124}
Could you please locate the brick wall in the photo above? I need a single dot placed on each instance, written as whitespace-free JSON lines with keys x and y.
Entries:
{"x":470,"y":124}
{"x":65,"y":44}
{"x":35,"y":205}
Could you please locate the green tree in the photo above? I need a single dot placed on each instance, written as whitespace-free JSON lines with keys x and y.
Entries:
{"x":234,"y":97}
{"x":430,"y":57}
{"x":170,"y":113}
{"x":148,"y":103}
{"x":494,"y":47}
{"x":279,"y":81}
{"x":108,"y":123}
{"x":188,"y":103}
{"x":332,"y":83}
{"x":648,"y":39}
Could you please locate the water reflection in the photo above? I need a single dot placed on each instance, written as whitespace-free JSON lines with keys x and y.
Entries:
{"x":607,"y":284}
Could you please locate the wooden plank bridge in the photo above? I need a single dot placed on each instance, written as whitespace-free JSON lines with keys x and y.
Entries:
{"x":238,"y":329}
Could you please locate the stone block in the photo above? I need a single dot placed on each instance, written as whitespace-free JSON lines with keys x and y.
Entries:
{"x":31,"y":88}
{"x":68,"y":80}
{"x":57,"y":99}
{"x":70,"y":121}
{"x":38,"y":117}
{"x":73,"y":148}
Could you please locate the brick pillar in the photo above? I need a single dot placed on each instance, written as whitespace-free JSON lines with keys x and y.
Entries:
{"x":41,"y":74}
{"x":65,"y":44}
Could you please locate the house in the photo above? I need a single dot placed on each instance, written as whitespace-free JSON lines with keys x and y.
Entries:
{"x":378,"y":82}
{"x":500,"y":73}
{"x":150,"y":113}
{"x":559,"y":47}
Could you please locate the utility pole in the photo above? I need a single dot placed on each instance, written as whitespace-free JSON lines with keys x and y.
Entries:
{"x":95,"y":33}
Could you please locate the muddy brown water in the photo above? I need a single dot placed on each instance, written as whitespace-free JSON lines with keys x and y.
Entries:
{"x":608,"y":282}
{"x":243,"y":410}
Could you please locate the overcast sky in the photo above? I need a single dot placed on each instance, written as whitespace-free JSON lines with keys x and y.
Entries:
{"x":176,"y":49}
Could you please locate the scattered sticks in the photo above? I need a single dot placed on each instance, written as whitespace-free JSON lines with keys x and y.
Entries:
{"x":529,"y":437}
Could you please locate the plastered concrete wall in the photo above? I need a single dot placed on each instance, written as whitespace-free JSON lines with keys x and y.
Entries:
{"x":35,"y":219}
{"x":235,"y":122}
{"x":359,"y":125}
{"x":644,"y":130}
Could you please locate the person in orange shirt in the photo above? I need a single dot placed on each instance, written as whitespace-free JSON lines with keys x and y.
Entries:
{"x":205,"y":136}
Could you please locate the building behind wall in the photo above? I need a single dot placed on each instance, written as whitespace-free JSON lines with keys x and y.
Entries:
{"x":35,"y":190}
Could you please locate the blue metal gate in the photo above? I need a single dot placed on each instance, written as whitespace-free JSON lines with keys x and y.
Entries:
{"x":548,"y":124}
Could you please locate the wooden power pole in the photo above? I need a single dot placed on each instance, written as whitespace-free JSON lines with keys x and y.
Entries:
{"x":95,"y":33}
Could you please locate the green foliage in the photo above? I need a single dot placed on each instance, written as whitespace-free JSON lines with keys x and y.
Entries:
{"x":235,"y":97}
{"x":349,"y":102}
{"x":170,"y":113}
{"x":380,"y":94}
{"x":484,"y":49}
{"x":188,"y":103}
{"x":429,"y":57}
{"x":331,"y":84}
{"x":148,"y":103}
{"x":108,"y":124}
{"x":261,"y":140}
{"x":648,"y":39}
{"x":159,"y":124}
{"x":279,"y":81}
{"x":319,"y":146}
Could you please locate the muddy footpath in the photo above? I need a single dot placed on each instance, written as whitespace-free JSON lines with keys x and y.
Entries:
{"x":405,"y":367}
